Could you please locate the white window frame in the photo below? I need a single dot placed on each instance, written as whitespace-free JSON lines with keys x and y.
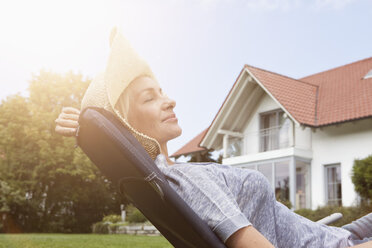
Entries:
{"x":326,"y":167}
{"x":292,"y":175}
{"x":368,"y":75}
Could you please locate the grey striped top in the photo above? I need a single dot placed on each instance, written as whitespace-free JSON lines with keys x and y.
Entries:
{"x":230,"y":198}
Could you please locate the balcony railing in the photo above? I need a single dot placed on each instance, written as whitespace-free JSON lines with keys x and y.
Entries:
{"x":277,"y":137}
{"x":274,"y":138}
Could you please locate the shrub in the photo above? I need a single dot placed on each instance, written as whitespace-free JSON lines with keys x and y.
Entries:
{"x":349,"y":213}
{"x":115,"y":226}
{"x":286,"y":203}
{"x":113,"y":221}
{"x":134,"y":215}
{"x":101,"y":227}
{"x":109,"y":224}
{"x":362,"y":177}
{"x":113,"y":218}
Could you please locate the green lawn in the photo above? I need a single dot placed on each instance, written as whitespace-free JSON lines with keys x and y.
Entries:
{"x":80,"y":241}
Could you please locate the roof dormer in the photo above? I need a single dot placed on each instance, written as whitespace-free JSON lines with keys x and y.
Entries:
{"x":368,"y":75}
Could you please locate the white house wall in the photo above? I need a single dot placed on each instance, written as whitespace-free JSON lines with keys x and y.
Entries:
{"x":339,"y":144}
{"x":302,"y":138}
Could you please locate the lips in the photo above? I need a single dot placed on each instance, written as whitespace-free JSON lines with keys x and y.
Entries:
{"x":171,"y":117}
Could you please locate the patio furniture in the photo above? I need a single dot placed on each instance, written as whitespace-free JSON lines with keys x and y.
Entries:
{"x":122,"y":159}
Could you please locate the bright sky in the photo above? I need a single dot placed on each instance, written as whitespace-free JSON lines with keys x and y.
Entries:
{"x":196,"y":48}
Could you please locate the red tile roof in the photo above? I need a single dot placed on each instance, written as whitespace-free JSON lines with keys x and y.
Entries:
{"x":333,"y":96}
{"x":297,"y":97}
{"x":191,"y":146}
{"x":343,"y":93}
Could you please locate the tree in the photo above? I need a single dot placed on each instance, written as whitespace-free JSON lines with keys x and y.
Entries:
{"x":63,"y":190}
{"x":362,"y":177}
{"x":203,"y":156}
{"x":9,"y":197}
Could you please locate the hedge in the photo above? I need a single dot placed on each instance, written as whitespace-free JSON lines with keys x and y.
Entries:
{"x":349,"y":213}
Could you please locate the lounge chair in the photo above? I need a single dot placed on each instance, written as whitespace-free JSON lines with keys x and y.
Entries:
{"x":121,"y":158}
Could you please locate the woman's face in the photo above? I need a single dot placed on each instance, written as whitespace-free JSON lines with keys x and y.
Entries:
{"x":151,"y":111}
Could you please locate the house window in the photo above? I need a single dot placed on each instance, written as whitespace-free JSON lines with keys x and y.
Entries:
{"x":267,"y":170}
{"x":333,"y":184}
{"x":282,"y":182}
{"x":277,"y":173}
{"x":274,"y":131}
{"x":368,"y":75}
{"x":302,"y":197}
{"x":234,"y":147}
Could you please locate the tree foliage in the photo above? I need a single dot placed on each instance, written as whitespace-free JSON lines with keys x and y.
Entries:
{"x":46,"y":184}
{"x":362,"y":177}
{"x":202,"y":156}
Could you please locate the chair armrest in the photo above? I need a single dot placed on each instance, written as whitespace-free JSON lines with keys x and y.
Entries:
{"x":330,"y":219}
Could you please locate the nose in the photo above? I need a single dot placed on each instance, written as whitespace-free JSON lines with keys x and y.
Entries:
{"x":169,"y":103}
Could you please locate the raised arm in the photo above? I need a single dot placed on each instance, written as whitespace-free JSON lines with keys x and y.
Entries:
{"x":67,"y":121}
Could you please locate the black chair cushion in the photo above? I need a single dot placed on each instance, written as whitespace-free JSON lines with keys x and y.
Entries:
{"x":122,"y":159}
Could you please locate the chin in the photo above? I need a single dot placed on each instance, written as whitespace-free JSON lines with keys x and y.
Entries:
{"x":172,"y":133}
{"x":176,"y":132}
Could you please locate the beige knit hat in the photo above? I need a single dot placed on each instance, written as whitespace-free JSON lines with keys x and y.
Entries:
{"x":123,"y":66}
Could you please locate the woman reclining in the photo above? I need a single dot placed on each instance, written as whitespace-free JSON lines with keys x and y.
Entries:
{"x":238,"y":204}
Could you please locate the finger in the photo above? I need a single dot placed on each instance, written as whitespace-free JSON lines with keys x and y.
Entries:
{"x":70,"y":110}
{"x":67,"y":123}
{"x":65,"y":131}
{"x":68,"y":116}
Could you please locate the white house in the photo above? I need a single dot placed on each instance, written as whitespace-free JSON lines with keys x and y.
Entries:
{"x":302,"y":134}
